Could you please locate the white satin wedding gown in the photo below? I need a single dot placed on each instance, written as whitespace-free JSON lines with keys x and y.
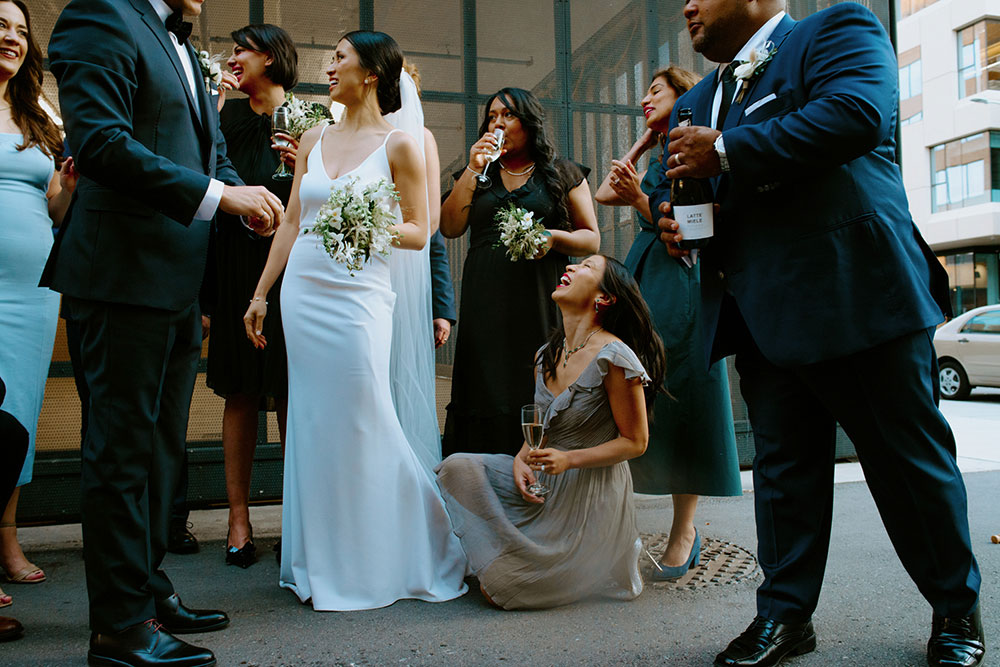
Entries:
{"x":362,"y":524}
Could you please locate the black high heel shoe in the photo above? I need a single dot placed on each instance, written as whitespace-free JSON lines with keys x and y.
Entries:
{"x":244,"y":556}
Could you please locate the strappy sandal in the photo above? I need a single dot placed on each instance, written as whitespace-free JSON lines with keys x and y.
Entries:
{"x":5,"y":600}
{"x":29,"y":574}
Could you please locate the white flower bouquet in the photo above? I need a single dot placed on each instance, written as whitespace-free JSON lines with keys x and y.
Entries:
{"x":211,"y":69}
{"x":303,"y":115}
{"x":522,"y":235}
{"x":356,"y":223}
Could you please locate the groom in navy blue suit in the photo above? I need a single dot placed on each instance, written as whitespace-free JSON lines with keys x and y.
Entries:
{"x":819,"y":282}
{"x":129,"y":260}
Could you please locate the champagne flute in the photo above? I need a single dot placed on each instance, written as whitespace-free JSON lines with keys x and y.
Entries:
{"x":531,"y":425}
{"x":482,"y":179}
{"x":281,"y":123}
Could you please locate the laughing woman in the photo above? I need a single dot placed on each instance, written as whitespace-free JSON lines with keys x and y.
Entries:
{"x":595,"y":380}
{"x":33,"y":197}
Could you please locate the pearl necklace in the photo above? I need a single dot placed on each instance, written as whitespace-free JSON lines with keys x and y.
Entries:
{"x":518,"y":173}
{"x":570,"y":353}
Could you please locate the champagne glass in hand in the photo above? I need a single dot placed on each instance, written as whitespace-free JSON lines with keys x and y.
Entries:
{"x":482,"y":179}
{"x":280,"y":123}
{"x":531,"y":425}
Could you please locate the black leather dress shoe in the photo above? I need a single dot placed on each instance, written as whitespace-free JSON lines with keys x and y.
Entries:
{"x":180,"y":540}
{"x":145,"y":645}
{"x":957,"y":642}
{"x":180,"y":620}
{"x":10,"y":628}
{"x":767,"y":642}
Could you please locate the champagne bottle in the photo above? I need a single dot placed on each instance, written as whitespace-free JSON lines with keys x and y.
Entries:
{"x":691,"y":199}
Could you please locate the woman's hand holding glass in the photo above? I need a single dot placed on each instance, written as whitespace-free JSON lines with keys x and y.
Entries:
{"x":479,"y":154}
{"x":288,"y":148}
{"x":524,"y":477}
{"x":254,"y":322}
{"x":550,"y":461}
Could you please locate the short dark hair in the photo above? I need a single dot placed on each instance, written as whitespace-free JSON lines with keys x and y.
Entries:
{"x":267,"y":38}
{"x":380,"y":54}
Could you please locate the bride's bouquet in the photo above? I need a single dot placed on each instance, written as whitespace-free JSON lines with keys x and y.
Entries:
{"x":355,"y":223}
{"x":303,"y":115}
{"x":522,"y":235}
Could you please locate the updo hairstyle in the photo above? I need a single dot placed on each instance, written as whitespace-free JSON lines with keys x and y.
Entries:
{"x":380,"y":54}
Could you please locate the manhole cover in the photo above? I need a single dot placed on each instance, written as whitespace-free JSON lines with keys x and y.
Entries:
{"x":721,"y":563}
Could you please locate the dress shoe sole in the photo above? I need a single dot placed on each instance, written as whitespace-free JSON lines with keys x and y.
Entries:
{"x":807,"y":645}
{"x":11,"y":636}
{"x":196,"y":630}
{"x":104,"y":661}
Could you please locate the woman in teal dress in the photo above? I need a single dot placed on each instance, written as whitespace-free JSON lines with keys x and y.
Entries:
{"x":692,"y":448}
{"x":33,"y":197}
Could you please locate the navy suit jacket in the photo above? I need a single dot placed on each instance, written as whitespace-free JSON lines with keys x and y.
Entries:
{"x":145,"y":155}
{"x":442,"y":290}
{"x":815,"y":241}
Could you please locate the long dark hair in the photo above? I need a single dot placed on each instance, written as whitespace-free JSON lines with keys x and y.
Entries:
{"x":525,"y":107}
{"x":380,"y":55}
{"x":23,"y":91}
{"x":628,"y":318}
{"x":267,"y":38}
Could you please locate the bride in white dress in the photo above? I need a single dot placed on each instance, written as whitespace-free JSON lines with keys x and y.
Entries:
{"x":363,"y":525}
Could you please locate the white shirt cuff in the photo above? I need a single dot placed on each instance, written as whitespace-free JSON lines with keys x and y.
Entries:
{"x":209,"y":204}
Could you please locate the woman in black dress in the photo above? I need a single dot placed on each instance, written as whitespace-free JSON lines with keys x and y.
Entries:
{"x":264,"y":65}
{"x":505,"y":313}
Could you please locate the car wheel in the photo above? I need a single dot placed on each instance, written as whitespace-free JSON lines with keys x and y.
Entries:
{"x":953,"y":382}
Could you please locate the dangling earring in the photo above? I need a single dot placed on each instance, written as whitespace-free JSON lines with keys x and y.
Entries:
{"x":597,"y":306}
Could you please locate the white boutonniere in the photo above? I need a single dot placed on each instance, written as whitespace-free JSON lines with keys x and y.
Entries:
{"x":211,"y":69}
{"x":750,"y":70}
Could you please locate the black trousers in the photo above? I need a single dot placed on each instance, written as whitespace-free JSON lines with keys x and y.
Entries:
{"x":140,"y":365}
{"x":179,"y":510}
{"x":886,"y":399}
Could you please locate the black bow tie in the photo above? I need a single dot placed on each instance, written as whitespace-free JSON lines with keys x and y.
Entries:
{"x":177,"y":25}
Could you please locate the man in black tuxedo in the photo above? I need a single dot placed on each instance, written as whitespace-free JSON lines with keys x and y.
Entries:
{"x":820,"y":284}
{"x":129,"y":259}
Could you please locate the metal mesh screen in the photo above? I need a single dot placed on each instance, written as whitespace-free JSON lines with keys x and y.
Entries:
{"x":589,"y":61}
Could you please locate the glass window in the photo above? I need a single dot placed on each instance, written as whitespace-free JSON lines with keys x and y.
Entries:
{"x":985,"y":323}
{"x":962,"y":171}
{"x":919,"y":116}
{"x":979,"y":57}
{"x":908,"y":7}
{"x":910,"y":80}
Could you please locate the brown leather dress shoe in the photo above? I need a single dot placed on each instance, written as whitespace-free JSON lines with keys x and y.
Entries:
{"x":10,"y":629}
{"x":957,"y":642}
{"x":767,"y":642}
{"x":180,"y":620}
{"x":145,"y":645}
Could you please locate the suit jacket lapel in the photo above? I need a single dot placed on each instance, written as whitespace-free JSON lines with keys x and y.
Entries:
{"x":204,"y":101}
{"x":155,"y":25}
{"x":736,"y":112}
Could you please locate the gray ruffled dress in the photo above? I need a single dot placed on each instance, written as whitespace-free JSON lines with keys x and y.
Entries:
{"x":583,"y":541}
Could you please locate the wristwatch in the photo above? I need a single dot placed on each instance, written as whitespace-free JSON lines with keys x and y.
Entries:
{"x":720,"y":150}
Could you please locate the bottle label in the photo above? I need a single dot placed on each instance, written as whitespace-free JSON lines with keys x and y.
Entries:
{"x":695,"y":221}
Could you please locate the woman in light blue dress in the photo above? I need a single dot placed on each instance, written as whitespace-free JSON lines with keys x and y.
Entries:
{"x":33,"y":197}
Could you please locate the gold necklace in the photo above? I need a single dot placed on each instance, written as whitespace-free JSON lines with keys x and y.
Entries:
{"x":518,"y":173}
{"x":570,"y":353}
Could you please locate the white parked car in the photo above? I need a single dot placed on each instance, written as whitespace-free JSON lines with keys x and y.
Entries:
{"x":968,"y":351}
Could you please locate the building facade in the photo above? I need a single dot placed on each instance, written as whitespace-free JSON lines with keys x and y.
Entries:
{"x":949,"y":83}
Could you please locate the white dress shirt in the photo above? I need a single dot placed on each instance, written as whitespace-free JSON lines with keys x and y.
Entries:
{"x":210,"y":202}
{"x":758,"y":40}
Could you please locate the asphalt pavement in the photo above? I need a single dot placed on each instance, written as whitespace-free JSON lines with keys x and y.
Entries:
{"x":870,"y":612}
